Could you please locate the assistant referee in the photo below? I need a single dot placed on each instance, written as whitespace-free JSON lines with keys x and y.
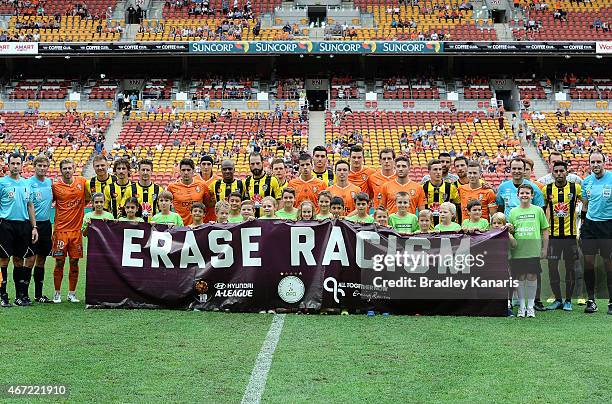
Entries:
{"x":17,"y":231}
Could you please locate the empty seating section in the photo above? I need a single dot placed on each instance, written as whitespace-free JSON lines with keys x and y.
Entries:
{"x":596,"y":132}
{"x":476,"y":89}
{"x":35,"y":89}
{"x":102,"y":89}
{"x":288,"y":89}
{"x":184,"y":133}
{"x":531,"y":89}
{"x":62,"y":29}
{"x":219,"y":88}
{"x":564,"y":20}
{"x":346,"y":88}
{"x":158,"y":89}
{"x":430,"y":20}
{"x":404,"y":88}
{"x":595,"y":89}
{"x":68,"y":136}
{"x":384,"y":129}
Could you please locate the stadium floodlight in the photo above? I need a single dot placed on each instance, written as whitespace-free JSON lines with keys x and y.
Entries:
{"x":568,"y":57}
{"x":67,"y":57}
{"x":331,"y":56}
{"x":598,"y":57}
{"x":38,"y":57}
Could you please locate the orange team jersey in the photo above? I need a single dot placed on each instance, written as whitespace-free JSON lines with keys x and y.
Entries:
{"x":69,"y":204}
{"x":185,"y":195}
{"x":360,"y":178}
{"x":377,"y":180}
{"x":347,"y":194}
{"x":307,"y":190}
{"x":210,"y":215}
{"x":390,"y":189}
{"x":485,"y":196}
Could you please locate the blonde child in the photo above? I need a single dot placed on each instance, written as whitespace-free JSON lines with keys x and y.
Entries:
{"x":475,"y":222}
{"x":268,"y":208}
{"x":324,"y":199}
{"x":222,"y":210}
{"x":498,"y":222}
{"x":98,"y":213}
{"x":362,"y":205}
{"x":198,"y":210}
{"x":381,"y":216}
{"x":425,"y":221}
{"x":235,"y":200}
{"x":133,"y":211}
{"x":403,"y":221}
{"x":306,"y":211}
{"x":165,"y":216}
{"x":288,"y":212}
{"x":336,"y":207}
{"x":448,"y":211}
{"x":247,"y":210}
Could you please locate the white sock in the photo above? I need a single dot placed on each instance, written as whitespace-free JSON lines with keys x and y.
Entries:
{"x":509,"y":304}
{"x":532,"y":287}
{"x":520,"y":291}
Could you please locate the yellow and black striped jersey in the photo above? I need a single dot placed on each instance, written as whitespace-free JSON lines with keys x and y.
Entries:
{"x":436,"y":195}
{"x":95,"y":185}
{"x":257,"y":189}
{"x":327,"y":176}
{"x":147,"y":197}
{"x":222,"y":190}
{"x":114,"y":195}
{"x":560,"y":207}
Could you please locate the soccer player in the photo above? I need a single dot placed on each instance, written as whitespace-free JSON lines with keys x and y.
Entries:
{"x":360,"y":174}
{"x":445,"y":160}
{"x":280,"y":172}
{"x":379,"y":178}
{"x":208,"y":177}
{"x":448,"y":212}
{"x":508,"y":190}
{"x":553,"y":157}
{"x":258,"y":185}
{"x":98,"y":212}
{"x":531,"y":234}
{"x":320,"y":168}
{"x":288,"y":212}
{"x":115,"y":192}
{"x":474,"y":220}
{"x":306,"y":186}
{"x":145,"y":190}
{"x":235,"y":201}
{"x":71,"y":195}
{"x":222,"y":188}
{"x":187,"y":190}
{"x":18,"y":232}
{"x":102,"y":178}
{"x":403,"y":220}
{"x":596,"y":230}
{"x":402,"y":184}
{"x":41,"y":195}
{"x":165,"y":215}
{"x":561,"y":199}
{"x":362,"y":202}
{"x":474,"y":190}
{"x":343,"y":188}
{"x":461,"y":166}
{"x":437,"y":190}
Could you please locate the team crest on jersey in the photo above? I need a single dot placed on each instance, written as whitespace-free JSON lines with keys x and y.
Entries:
{"x":412,"y":192}
{"x":198,"y":189}
{"x":364,"y":177}
{"x":79,"y":187}
{"x":11,"y":194}
{"x":606,"y":192}
{"x":264,"y":187}
{"x":561,"y":209}
{"x":352,"y":195}
{"x":154,"y":197}
{"x":379,"y":196}
{"x":315,"y":189}
{"x":445,"y":196}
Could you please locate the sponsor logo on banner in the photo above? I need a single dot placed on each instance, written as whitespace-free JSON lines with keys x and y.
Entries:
{"x":233,"y":289}
{"x":604,"y":47}
{"x":18,"y":48}
{"x":291,"y":289}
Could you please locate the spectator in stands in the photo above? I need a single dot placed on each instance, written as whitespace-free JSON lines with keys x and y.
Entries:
{"x":597,"y":24}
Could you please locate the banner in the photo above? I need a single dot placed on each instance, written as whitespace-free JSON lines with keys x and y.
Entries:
{"x":18,"y":48}
{"x":113,"y":48}
{"x":604,"y":47}
{"x":527,"y":47}
{"x":271,"y":265}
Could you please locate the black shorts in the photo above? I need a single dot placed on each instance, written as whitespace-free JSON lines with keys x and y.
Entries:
{"x":524,"y":266}
{"x":562,"y":246}
{"x":596,"y":237}
{"x":43,"y":245}
{"x":15,"y":238}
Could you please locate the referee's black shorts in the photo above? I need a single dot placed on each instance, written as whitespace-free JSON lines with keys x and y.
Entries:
{"x":15,"y":238}
{"x":43,"y":245}
{"x":596,"y":237}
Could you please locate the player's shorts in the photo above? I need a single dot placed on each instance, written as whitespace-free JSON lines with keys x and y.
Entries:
{"x":596,"y":237}
{"x":15,"y":238}
{"x":67,"y":244}
{"x":562,"y":246}
{"x":43,"y":245}
{"x":524,"y":266}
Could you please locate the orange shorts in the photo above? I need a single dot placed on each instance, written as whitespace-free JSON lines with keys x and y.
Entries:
{"x":67,"y":243}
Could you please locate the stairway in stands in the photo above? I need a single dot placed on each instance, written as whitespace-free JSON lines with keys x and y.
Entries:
{"x":316,"y":129}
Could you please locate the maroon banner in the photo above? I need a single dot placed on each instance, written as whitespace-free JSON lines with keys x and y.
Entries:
{"x":279,"y":265}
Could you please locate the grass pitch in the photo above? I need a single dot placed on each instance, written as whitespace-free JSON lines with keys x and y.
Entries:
{"x":179,"y":356}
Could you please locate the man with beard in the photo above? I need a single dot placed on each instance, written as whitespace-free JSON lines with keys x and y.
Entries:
{"x":445,"y":160}
{"x":115,"y":192}
{"x":259,"y":184}
{"x":402,"y":184}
